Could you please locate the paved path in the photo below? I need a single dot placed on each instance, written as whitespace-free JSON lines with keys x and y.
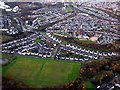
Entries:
{"x":117,"y":78}
{"x":55,"y":51}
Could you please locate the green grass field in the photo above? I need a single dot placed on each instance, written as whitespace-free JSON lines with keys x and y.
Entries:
{"x":75,"y":5}
{"x":64,"y":42}
{"x":87,"y":41}
{"x":42,"y":18}
{"x":90,"y":85}
{"x":38,"y":40}
{"x":25,"y":27}
{"x":84,"y":41}
{"x":69,"y":9}
{"x":38,"y":72}
{"x":6,"y":38}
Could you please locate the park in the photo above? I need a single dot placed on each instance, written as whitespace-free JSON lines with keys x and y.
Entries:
{"x":40,"y":73}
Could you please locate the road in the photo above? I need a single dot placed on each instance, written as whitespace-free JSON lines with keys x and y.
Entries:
{"x":44,"y":58}
{"x":92,"y":14}
{"x":115,"y":79}
{"x":56,"y":49}
{"x":22,"y":25}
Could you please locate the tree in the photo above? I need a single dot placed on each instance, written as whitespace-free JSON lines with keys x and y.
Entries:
{"x":10,"y":77}
{"x":116,"y":68}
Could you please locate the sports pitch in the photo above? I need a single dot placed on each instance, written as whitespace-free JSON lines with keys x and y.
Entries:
{"x":39,"y":73}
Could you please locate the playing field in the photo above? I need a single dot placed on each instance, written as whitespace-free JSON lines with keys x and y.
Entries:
{"x":86,"y":41}
{"x":41,"y":72}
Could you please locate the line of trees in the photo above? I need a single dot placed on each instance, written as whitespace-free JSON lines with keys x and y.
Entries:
{"x":10,"y":59}
{"x":108,"y":47}
{"x":10,"y":83}
{"x":97,"y":72}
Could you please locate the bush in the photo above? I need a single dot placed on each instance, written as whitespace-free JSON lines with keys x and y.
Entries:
{"x":101,"y":78}
{"x":14,"y":57}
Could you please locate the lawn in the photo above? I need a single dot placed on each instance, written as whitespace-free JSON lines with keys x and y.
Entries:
{"x":64,"y":42}
{"x":44,"y":33}
{"x":69,"y":9}
{"x":90,"y":85}
{"x":41,"y":72}
{"x":38,"y":40}
{"x":75,"y":5}
{"x":87,"y":41}
{"x":84,"y":41}
{"x":42,"y":18}
{"x":119,"y":62}
{"x":25,"y":27}
{"x":6,"y":38}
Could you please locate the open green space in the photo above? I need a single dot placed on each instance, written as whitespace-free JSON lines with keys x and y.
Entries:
{"x":25,"y":27}
{"x":44,"y":33}
{"x":77,"y":40}
{"x":39,"y":72}
{"x":64,"y":42}
{"x":84,"y":41}
{"x":87,"y":41}
{"x":90,"y":85}
{"x":119,"y":62}
{"x":69,"y":9}
{"x":75,"y":5}
{"x":6,"y":38}
{"x":42,"y":18}
{"x":38,"y":40}
{"x":67,"y":35}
